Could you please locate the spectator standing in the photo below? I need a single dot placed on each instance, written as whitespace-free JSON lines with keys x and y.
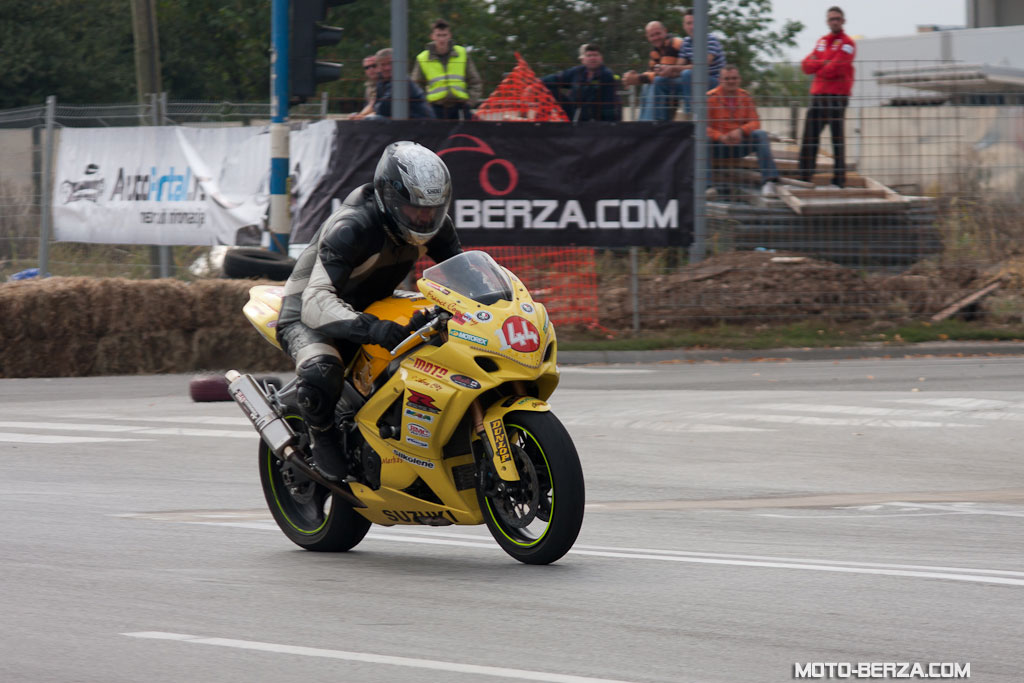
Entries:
{"x":831,"y":62}
{"x":592,"y":88}
{"x":370,"y":90}
{"x":446,"y":73}
{"x":660,"y":93}
{"x":716,"y":60}
{"x":418,"y":108}
{"x":734,"y":129}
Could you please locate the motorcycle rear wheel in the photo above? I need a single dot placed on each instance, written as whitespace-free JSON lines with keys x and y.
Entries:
{"x":307,"y":513}
{"x":537,"y":519}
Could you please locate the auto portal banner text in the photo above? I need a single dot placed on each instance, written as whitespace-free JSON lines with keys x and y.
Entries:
{"x":534,"y":184}
{"x":175,"y":185}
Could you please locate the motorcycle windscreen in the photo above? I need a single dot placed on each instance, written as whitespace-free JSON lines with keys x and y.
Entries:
{"x":473,"y":274}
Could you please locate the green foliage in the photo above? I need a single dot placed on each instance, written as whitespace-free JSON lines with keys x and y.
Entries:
{"x":81,"y":52}
{"x":219,"y":50}
{"x":780,"y":85}
{"x":215,"y":51}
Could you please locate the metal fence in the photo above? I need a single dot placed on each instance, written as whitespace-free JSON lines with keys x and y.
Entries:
{"x":930,"y":212}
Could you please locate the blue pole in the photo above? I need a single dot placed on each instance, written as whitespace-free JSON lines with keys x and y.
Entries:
{"x":280,"y":216}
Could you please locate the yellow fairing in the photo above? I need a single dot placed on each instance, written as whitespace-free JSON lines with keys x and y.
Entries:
{"x":262,"y":310}
{"x":372,"y":359}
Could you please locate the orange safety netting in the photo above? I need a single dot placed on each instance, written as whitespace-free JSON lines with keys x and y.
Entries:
{"x":521,"y":97}
{"x":564,"y":279}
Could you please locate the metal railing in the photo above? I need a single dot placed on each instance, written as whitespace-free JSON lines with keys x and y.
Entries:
{"x":930,"y":212}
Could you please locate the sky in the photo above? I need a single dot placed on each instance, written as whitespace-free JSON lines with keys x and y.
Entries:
{"x":866,"y":18}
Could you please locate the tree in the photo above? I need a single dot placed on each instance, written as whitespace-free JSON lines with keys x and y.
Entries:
{"x":215,"y":51}
{"x":80,"y":52}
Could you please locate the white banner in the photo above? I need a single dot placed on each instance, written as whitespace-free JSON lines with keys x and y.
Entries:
{"x":175,"y":185}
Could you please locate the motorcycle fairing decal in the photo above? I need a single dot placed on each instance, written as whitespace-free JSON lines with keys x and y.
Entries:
{"x":409,"y":516}
{"x":419,"y":462}
{"x":502,"y":451}
{"x":468,"y":337}
{"x":519,"y":334}
{"x":421,"y":401}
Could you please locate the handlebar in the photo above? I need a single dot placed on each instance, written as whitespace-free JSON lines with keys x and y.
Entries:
{"x":422,"y":334}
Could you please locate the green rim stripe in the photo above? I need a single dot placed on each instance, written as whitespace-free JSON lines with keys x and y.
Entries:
{"x":277,"y":499}
{"x":550,"y":478}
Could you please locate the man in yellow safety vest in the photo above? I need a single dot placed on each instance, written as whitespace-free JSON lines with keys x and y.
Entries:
{"x":447,"y":75}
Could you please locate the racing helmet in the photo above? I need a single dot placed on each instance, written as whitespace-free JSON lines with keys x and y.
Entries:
{"x":412,"y":188}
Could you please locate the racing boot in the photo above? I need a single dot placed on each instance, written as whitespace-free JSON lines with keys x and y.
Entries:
{"x":329,"y":453}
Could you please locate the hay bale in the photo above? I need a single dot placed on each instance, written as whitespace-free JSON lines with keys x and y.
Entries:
{"x":48,"y":358}
{"x":218,"y":303}
{"x":223,"y":348}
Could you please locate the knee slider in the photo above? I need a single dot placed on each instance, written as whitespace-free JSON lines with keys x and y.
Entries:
{"x":321,"y":379}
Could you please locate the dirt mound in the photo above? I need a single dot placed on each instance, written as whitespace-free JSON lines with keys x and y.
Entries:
{"x":745,"y":287}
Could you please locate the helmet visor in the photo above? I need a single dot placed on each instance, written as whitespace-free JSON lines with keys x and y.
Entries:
{"x":422,"y":220}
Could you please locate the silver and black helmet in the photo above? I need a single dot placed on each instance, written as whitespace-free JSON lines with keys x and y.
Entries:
{"x":412,"y":188}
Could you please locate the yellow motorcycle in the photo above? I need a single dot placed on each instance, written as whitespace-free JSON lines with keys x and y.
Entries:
{"x":450,"y":427}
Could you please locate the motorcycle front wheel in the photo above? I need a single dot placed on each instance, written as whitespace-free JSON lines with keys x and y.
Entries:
{"x":537,"y":519}
{"x":306,"y":512}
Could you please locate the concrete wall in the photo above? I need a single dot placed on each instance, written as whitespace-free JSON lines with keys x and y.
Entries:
{"x":992,"y":46}
{"x":16,"y":158}
{"x":938,"y":149}
{"x":994,"y":13}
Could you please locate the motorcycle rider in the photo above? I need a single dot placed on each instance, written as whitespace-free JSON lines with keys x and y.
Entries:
{"x":360,"y":254}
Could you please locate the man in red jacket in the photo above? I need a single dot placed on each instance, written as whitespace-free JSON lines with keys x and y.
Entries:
{"x":831,"y":62}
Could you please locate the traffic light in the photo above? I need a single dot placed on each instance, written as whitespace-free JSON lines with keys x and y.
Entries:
{"x":306,"y":35}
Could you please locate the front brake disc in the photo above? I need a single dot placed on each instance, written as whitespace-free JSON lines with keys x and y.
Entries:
{"x":519,"y":503}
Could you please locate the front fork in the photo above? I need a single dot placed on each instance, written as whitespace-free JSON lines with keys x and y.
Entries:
{"x":498,"y":466}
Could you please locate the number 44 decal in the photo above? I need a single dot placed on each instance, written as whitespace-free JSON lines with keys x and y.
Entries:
{"x":519,"y":334}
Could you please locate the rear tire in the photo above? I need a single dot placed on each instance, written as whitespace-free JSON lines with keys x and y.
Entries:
{"x":306,"y":512}
{"x":538,"y":520}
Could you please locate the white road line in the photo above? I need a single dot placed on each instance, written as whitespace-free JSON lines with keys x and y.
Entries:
{"x":15,"y":437}
{"x":960,"y":509}
{"x":583,"y":370}
{"x":964,"y":574}
{"x":904,"y":412}
{"x":412,"y":662}
{"x":129,"y":429}
{"x":239,"y":421}
{"x":658,"y":425}
{"x":828,"y":421}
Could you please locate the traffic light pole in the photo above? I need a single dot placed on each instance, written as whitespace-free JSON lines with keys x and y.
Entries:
{"x":280,"y":217}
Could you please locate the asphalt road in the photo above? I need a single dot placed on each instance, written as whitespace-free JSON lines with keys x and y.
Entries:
{"x":742,"y":518}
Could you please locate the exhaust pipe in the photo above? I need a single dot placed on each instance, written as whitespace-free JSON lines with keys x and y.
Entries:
{"x":275,"y":431}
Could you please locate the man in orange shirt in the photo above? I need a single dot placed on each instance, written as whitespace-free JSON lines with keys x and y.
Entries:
{"x":734,"y":129}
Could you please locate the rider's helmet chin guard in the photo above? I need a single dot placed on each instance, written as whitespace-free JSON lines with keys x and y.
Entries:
{"x":412,"y":189}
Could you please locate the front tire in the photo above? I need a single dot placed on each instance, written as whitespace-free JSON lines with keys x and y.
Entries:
{"x":537,"y":519}
{"x":306,"y":512}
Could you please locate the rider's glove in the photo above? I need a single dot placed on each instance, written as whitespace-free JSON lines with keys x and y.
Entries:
{"x":386,"y":333}
{"x":419,"y":319}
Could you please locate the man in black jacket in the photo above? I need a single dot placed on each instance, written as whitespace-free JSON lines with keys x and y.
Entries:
{"x":359,"y":255}
{"x":592,"y":88}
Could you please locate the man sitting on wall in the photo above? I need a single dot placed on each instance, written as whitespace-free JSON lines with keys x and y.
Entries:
{"x":734,"y":129}
{"x":418,"y":108}
{"x":592,"y":88}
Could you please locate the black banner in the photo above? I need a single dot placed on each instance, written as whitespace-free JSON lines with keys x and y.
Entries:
{"x":535,"y":184}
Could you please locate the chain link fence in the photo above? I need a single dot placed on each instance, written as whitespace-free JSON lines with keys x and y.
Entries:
{"x":929,"y":213}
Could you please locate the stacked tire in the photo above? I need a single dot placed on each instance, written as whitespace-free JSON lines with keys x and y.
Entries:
{"x":254,"y":262}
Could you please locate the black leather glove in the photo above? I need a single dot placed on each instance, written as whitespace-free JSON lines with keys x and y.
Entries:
{"x":386,"y":333}
{"x":420,"y":318}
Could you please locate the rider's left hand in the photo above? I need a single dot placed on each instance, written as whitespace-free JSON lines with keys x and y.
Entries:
{"x":420,"y":318}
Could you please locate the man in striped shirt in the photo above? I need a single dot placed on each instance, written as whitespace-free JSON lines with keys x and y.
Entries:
{"x":659,"y":97}
{"x":716,"y":59}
